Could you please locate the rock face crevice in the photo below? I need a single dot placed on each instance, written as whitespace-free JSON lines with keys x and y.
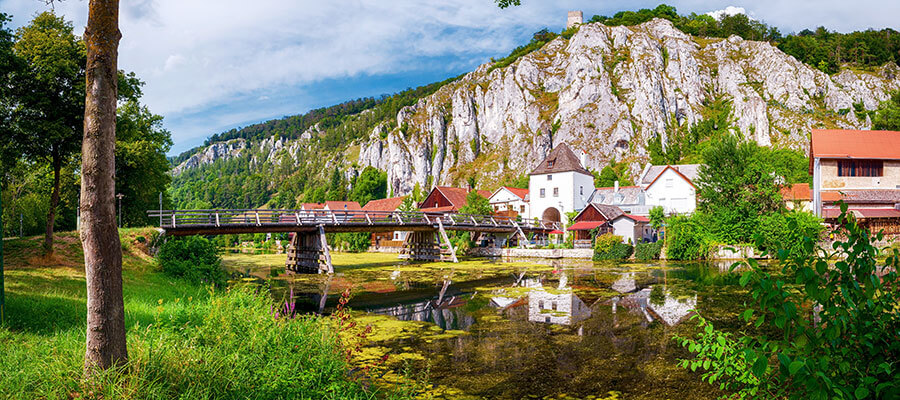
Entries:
{"x":606,"y":91}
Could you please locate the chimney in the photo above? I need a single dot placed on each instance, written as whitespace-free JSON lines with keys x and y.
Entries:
{"x":583,"y":159}
{"x":616,"y":187}
{"x":574,"y":18}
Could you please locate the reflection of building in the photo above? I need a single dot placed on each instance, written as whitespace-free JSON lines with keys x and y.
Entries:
{"x":667,"y":309}
{"x":625,"y":284}
{"x":446,"y":313}
{"x":556,"y":307}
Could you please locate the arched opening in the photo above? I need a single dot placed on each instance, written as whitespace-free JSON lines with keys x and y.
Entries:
{"x":551,"y":214}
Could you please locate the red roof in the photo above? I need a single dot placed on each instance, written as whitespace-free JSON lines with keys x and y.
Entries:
{"x":389,"y":204}
{"x":585,"y":225}
{"x":556,"y":232}
{"x":456,"y":196}
{"x":521,"y":193}
{"x":342,"y":205}
{"x":839,"y":143}
{"x":312,"y":206}
{"x":438,"y":209}
{"x":832,"y":213}
{"x":796,"y":192}
{"x":638,"y":218}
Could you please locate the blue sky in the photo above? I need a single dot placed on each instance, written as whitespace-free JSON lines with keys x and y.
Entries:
{"x":210,"y":66}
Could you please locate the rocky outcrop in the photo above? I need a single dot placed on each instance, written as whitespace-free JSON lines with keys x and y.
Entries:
{"x":607,"y":91}
{"x":213,"y":152}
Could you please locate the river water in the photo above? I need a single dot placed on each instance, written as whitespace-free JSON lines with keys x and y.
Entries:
{"x":491,"y":328}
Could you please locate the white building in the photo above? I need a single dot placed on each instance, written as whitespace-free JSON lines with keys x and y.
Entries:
{"x":633,"y":229}
{"x":671,"y":186}
{"x":559,"y":184}
{"x":510,"y":201}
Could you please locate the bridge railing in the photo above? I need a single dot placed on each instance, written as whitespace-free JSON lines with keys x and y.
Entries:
{"x":259,"y":217}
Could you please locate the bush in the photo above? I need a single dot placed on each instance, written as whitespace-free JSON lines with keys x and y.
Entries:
{"x":648,"y":251}
{"x":687,"y":238}
{"x":194,"y":258}
{"x":610,"y":247}
{"x":353,"y":242}
{"x":786,"y":231}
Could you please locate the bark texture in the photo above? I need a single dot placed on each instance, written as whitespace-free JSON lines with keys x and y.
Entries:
{"x":99,"y":235}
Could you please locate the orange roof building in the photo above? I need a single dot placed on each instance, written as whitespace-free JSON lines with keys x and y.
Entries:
{"x":862,"y":168}
{"x":389,"y":204}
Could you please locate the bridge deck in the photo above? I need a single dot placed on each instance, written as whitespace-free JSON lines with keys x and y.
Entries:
{"x":223,"y":222}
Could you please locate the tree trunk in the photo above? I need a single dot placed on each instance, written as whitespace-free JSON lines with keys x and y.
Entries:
{"x":54,"y":203}
{"x":99,"y":236}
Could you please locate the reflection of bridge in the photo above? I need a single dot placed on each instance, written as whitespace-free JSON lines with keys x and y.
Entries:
{"x":309,"y":248}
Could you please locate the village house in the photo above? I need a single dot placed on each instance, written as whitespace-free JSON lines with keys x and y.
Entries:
{"x":631,"y":199}
{"x":610,"y":219}
{"x":510,"y":202}
{"x":670,"y":186}
{"x":861,"y":168}
{"x":380,"y":207}
{"x":446,"y":199}
{"x":797,"y":197}
{"x":559,"y":184}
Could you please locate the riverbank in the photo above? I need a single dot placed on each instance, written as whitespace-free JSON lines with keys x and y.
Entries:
{"x":184,"y":340}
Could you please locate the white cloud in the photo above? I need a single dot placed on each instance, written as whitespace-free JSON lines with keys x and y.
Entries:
{"x":729,"y":11}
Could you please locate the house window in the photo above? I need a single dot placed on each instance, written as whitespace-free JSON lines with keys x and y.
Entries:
{"x":555,"y":192}
{"x":522,"y":209}
{"x":550,"y":163}
{"x":541,"y":304}
{"x":542,"y":193}
{"x":553,"y":306}
{"x":860,"y":168}
{"x":547,"y":319}
{"x":581,"y":190}
{"x":549,"y":177}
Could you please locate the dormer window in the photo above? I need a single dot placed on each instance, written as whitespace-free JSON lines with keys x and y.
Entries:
{"x":550,"y":163}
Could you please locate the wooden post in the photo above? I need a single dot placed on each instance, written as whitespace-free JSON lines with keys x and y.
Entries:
{"x":524,"y":238}
{"x":328,"y":266}
{"x":447,"y":241}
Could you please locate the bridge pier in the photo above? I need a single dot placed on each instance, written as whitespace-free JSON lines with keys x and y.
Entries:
{"x":423,"y":246}
{"x":308,"y":253}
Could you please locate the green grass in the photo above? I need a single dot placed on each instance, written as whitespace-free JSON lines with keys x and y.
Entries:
{"x":184,"y":341}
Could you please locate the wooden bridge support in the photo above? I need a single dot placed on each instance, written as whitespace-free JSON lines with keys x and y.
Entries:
{"x":308,"y":253}
{"x":423,"y":246}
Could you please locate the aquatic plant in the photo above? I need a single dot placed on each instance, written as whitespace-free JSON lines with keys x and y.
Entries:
{"x":832,"y":330}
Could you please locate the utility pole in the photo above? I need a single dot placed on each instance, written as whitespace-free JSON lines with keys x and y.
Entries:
{"x":120,"y":196}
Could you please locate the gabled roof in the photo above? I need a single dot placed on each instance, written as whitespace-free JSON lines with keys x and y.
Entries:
{"x":342,"y":205}
{"x":312,"y":206}
{"x":518,"y":192}
{"x":560,"y":159}
{"x":636,"y":218}
{"x":840,"y":143}
{"x":389,"y":204}
{"x":689,"y":171}
{"x":796,"y":192}
{"x":607,"y":211}
{"x":456,"y":196}
{"x":677,"y":171}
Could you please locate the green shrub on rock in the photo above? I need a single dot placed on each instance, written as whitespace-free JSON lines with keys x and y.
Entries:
{"x":687,"y":238}
{"x":610,"y":247}
{"x":648,"y":251}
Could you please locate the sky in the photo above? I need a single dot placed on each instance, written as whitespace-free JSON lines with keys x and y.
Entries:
{"x":210,"y":66}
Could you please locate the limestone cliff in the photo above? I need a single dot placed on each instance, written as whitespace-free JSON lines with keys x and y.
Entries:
{"x":607,"y":91}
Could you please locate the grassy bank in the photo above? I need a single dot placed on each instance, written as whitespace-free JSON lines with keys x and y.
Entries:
{"x":184,"y":341}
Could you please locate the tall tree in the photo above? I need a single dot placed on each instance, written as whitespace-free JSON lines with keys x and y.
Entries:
{"x":8,"y":64}
{"x":102,"y":251}
{"x":887,"y":116}
{"x":370,"y":185}
{"x":48,"y":114}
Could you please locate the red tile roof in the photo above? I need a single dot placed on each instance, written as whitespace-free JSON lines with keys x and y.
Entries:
{"x":796,"y":192}
{"x":389,"y":204}
{"x":585,"y":225}
{"x":342,"y":205}
{"x":312,"y":206}
{"x":457,"y":196}
{"x":839,"y":143}
{"x":638,"y":218}
{"x":521,"y":193}
{"x":881,"y":196}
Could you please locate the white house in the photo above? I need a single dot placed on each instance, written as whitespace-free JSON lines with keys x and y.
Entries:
{"x":559,"y":184}
{"x":630,"y":199}
{"x":632,"y":228}
{"x":671,"y":186}
{"x":510,"y":201}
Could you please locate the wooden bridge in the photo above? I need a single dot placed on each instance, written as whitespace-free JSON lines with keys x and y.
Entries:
{"x":308,"y":252}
